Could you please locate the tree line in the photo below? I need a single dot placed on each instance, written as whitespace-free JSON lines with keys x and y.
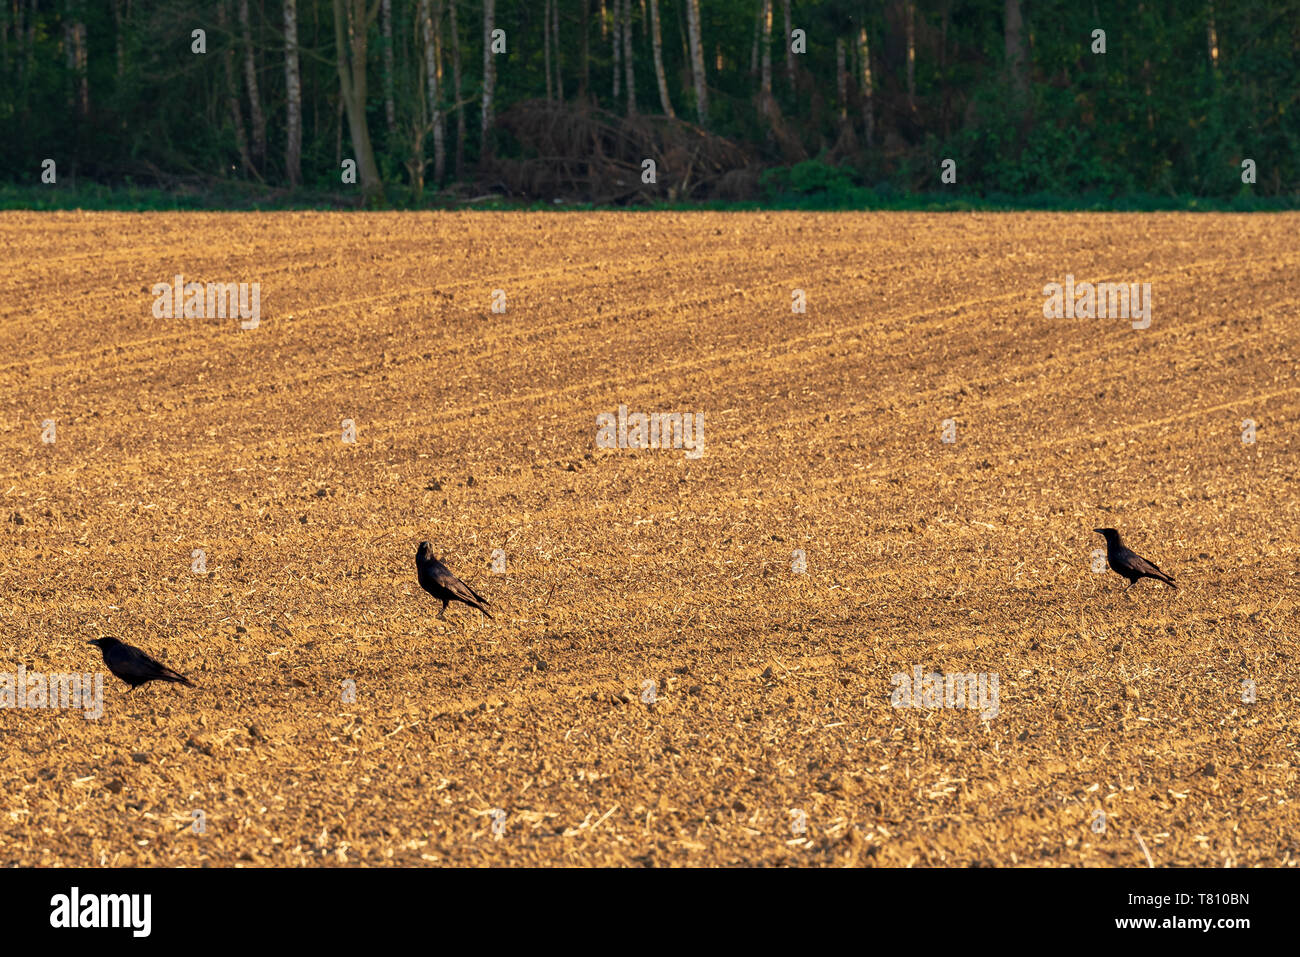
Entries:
{"x":728,"y":97}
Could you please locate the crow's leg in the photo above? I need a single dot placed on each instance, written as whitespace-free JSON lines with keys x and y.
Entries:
{"x":442,"y":615}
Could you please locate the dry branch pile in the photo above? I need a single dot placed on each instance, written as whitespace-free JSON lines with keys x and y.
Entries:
{"x":579,"y":153}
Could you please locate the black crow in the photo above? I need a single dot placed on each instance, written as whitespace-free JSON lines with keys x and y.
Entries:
{"x":438,"y":581}
{"x":133,"y":666}
{"x":1127,"y":563}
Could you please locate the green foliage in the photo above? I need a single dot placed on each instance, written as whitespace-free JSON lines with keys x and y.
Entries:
{"x":814,"y":182}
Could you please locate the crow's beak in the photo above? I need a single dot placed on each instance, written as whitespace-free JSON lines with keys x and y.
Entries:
{"x":1097,"y":530}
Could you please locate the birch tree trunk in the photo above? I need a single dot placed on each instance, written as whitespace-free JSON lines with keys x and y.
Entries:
{"x":868,"y":91}
{"x":489,"y":75}
{"x":456,"y":98}
{"x":628,"y":58}
{"x":546,"y":47}
{"x":437,"y":114}
{"x":293,"y":95}
{"x":617,"y":43}
{"x":697,"y":61}
{"x":789,"y":49}
{"x":386,"y":34}
{"x":430,"y":14}
{"x":256,"y":118}
{"x":660,"y":76}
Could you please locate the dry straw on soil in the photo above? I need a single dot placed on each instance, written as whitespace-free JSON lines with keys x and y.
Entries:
{"x":476,"y":430}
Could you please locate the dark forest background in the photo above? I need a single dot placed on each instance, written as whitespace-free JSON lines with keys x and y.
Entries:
{"x":880,"y":93}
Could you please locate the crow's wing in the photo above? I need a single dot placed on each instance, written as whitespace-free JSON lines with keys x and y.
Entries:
{"x":171,"y":675}
{"x":139,"y":665}
{"x":1143,"y":567}
{"x":126,"y":660}
{"x":441,"y":574}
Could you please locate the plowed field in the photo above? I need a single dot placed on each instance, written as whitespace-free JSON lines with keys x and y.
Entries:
{"x":661,"y":683}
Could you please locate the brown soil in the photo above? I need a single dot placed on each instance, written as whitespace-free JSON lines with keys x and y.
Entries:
{"x":772,"y":689}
